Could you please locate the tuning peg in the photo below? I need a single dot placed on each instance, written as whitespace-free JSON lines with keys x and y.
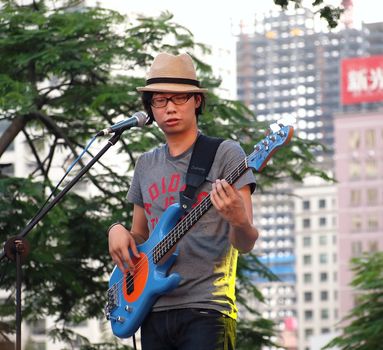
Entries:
{"x":275,"y":127}
{"x":286,"y":121}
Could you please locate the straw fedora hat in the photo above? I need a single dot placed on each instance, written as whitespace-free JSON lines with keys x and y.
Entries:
{"x":170,"y":73}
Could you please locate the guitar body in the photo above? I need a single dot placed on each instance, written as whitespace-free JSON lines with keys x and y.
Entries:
{"x":130,"y":298}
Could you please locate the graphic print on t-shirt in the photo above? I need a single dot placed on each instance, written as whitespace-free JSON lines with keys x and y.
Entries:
{"x":165,"y":192}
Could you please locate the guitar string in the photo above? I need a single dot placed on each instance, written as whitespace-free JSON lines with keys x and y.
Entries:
{"x":140,"y":266}
{"x":188,"y":221}
{"x":238,"y":172}
{"x":174,"y":235}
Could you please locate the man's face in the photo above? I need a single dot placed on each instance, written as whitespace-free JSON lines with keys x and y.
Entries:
{"x":175,"y":112}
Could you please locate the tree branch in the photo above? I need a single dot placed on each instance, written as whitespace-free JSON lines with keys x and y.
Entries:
{"x":40,"y":164}
{"x":9,"y":135}
{"x":56,"y":130}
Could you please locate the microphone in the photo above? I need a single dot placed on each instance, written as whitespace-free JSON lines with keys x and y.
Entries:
{"x":137,"y":119}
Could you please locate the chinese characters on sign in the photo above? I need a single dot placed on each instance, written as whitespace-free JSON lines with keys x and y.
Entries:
{"x":362,"y":80}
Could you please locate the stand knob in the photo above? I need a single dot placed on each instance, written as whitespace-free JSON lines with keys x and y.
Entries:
{"x":16,"y":246}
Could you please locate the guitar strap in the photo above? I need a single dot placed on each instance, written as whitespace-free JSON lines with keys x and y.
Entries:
{"x":201,"y":161}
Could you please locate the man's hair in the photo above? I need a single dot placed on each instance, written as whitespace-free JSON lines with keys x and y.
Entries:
{"x":147,"y":98}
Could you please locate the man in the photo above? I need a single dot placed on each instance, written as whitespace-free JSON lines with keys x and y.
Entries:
{"x":200,"y":313}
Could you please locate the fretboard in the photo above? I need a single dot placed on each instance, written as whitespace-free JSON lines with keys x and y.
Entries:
{"x":188,"y":221}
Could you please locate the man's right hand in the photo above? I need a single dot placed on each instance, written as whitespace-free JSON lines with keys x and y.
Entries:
{"x":120,"y":241}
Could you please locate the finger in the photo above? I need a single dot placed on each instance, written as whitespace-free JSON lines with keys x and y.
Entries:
{"x":216,"y":200}
{"x":212,"y":199}
{"x":230,"y":192}
{"x":134,"y":249}
{"x":227,"y":187}
{"x":128,"y":261}
{"x":118,"y":261}
{"x":217,"y":191}
{"x":225,"y":193}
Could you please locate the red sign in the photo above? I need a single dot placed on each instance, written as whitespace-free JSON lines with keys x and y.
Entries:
{"x":362,"y":80}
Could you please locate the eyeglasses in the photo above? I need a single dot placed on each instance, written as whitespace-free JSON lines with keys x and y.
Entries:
{"x":179,"y":99}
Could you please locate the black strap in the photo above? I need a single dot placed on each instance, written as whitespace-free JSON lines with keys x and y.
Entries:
{"x":168,"y":80}
{"x":201,"y":161}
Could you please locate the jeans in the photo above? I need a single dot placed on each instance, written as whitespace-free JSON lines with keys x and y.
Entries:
{"x":188,"y":329}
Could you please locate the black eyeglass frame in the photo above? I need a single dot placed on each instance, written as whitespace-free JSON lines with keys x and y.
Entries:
{"x":188,"y":96}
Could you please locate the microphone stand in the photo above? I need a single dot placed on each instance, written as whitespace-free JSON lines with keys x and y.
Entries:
{"x":17,"y":248}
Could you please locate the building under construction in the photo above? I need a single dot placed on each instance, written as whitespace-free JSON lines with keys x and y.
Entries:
{"x":286,"y":68}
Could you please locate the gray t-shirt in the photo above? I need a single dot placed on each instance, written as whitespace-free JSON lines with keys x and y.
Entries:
{"x":207,"y":261}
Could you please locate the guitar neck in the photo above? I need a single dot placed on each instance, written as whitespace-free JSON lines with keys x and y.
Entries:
{"x":188,"y":221}
{"x":257,"y":160}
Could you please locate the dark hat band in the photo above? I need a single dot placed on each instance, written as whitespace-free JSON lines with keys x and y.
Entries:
{"x":172,"y":81}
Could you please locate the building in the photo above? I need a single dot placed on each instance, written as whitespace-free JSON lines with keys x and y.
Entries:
{"x":316,"y":252}
{"x":359,"y":169}
{"x":288,"y":67}
{"x":276,"y":250}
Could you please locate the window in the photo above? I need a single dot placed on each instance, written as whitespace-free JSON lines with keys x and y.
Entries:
{"x":356,"y":223}
{"x":354,"y":170}
{"x":370,"y":138}
{"x":356,"y":248}
{"x":324,"y":314}
{"x":371,"y":168}
{"x":308,"y":332}
{"x":354,"y":139}
{"x":38,"y":327}
{"x":306,"y":205}
{"x":309,"y":315}
{"x":7,"y":169}
{"x":307,"y":241}
{"x":37,"y":345}
{"x":355,"y":197}
{"x":322,"y":221}
{"x":372,"y":223}
{"x":307,"y":277}
{"x":323,"y":258}
{"x":322,"y":240}
{"x":306,"y":223}
{"x":324,"y":295}
{"x":308,"y":296}
{"x":323,"y":277}
{"x":373,"y":246}
{"x":322,"y":203}
{"x":306,"y":259}
{"x":325,"y":330}
{"x":372,"y":196}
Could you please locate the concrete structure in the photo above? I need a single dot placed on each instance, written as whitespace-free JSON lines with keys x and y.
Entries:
{"x":288,"y":68}
{"x":316,"y":259}
{"x":359,"y":169}
{"x":275,"y":248}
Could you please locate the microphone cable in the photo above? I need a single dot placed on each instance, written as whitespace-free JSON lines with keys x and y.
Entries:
{"x":2,"y":275}
{"x":65,"y":175}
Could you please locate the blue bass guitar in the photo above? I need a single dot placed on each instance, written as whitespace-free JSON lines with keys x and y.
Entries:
{"x":131,"y":297}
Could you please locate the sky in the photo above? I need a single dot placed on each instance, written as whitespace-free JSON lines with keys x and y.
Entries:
{"x":215,"y":22}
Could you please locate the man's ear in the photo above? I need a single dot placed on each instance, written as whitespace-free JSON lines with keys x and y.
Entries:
{"x":198,"y":100}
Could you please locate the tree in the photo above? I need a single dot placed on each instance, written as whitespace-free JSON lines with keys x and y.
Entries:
{"x":329,"y":13}
{"x":67,"y":72}
{"x":364,"y":327}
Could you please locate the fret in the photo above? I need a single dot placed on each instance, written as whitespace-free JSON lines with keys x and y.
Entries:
{"x":192,"y":217}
